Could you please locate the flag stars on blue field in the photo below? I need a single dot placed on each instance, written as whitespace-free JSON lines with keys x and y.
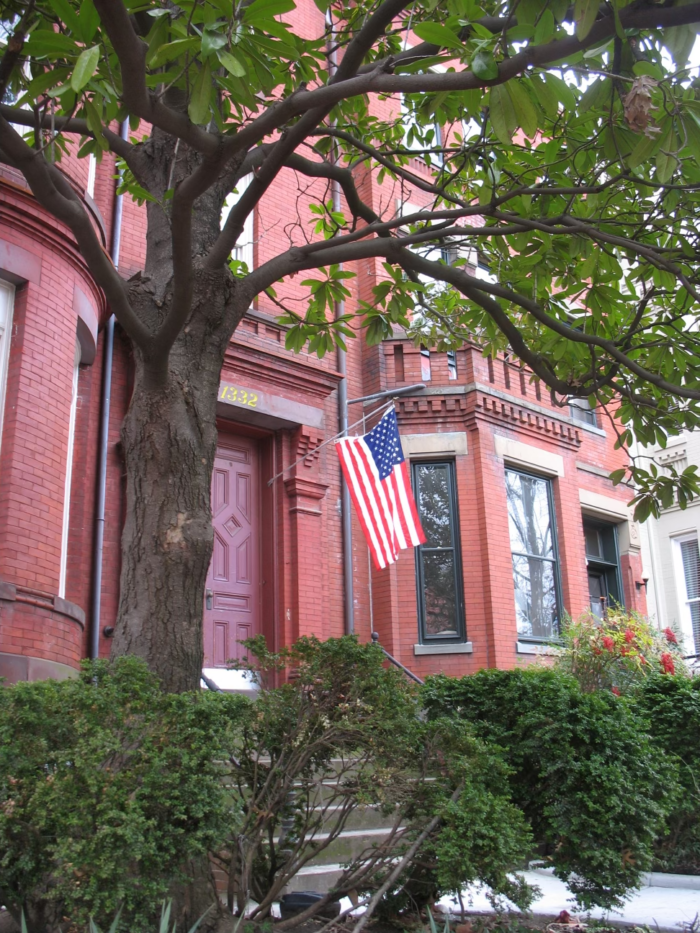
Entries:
{"x":385,"y":444}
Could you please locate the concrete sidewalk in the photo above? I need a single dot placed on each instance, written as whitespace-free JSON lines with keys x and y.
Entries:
{"x":658,"y":905}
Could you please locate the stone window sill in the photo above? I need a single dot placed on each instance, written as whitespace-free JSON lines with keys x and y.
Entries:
{"x":463,"y":648}
{"x":527,"y":647}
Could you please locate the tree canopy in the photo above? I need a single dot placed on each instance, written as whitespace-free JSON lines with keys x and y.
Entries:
{"x":561,"y":143}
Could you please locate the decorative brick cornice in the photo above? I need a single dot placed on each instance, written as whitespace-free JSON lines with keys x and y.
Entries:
{"x":284,"y":371}
{"x":474,"y":403}
{"x":22,"y":594}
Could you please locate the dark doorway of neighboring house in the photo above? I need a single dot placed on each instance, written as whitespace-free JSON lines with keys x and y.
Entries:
{"x":233,"y":600}
{"x":604,"y":583}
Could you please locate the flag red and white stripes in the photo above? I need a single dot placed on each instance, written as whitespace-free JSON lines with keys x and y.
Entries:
{"x":380,"y":486}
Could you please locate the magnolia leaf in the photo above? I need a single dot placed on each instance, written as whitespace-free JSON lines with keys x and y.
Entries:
{"x":438,"y":35}
{"x":231,"y":64}
{"x":585,"y":12}
{"x":665,"y":161}
{"x":546,"y":97}
{"x":213,"y":38}
{"x":525,"y":111}
{"x":85,"y":68}
{"x":198,"y":108}
{"x":66,"y":13}
{"x":545,"y":28}
{"x":691,"y":125}
{"x":484,"y":66}
{"x":645,"y":149}
{"x":503,"y":117}
{"x":89,"y":20}
{"x":260,"y":10}
{"x":564,"y":93}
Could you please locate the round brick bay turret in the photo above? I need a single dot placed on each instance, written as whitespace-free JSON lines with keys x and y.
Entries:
{"x":55,"y":307}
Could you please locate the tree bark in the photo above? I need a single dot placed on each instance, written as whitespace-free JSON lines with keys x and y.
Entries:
{"x":169,"y":442}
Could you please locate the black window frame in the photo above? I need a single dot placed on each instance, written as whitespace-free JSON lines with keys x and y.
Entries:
{"x":609,"y":568}
{"x":540,"y":639}
{"x":460,"y":636}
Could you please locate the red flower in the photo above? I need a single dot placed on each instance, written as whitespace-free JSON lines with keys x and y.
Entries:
{"x":616,"y":691}
{"x":667,"y":663}
{"x":608,"y":643}
{"x":629,"y":636}
{"x":670,"y":635}
{"x":642,"y":659}
{"x":597,"y":651}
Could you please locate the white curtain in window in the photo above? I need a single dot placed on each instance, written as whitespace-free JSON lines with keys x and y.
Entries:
{"x":243,"y":250}
{"x":7,"y":295}
{"x":69,"y":475}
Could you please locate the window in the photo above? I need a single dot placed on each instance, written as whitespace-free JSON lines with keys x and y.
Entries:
{"x":581,"y":411}
{"x":243,"y":250}
{"x":425,"y":372}
{"x":604,"y":584}
{"x":451,"y":364}
{"x":533,"y":545}
{"x":438,"y":561}
{"x":7,"y":294}
{"x":690,"y":560}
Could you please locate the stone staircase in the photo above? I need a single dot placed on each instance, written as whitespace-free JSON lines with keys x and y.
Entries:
{"x":365,"y":827}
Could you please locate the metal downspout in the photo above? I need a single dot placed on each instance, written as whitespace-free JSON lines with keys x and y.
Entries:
{"x":339,"y":310}
{"x":105,"y":404}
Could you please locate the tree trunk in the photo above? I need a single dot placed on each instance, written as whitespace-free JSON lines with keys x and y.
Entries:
{"x":169,"y":442}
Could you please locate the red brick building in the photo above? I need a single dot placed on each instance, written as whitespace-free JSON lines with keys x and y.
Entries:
{"x":523,"y":523}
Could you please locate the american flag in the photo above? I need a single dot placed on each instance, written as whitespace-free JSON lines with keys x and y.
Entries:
{"x":380,"y":486}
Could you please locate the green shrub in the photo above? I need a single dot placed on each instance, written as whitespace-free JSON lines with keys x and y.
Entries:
{"x":672,"y":708}
{"x":107,"y":787}
{"x":344,"y":733}
{"x":593,"y":786}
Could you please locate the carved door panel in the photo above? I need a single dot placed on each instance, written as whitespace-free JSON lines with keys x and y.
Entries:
{"x":232,"y":605}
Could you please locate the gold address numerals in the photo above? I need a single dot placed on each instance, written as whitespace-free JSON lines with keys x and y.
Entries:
{"x":238,"y":395}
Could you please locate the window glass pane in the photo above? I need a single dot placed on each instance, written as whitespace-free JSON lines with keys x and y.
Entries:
{"x":535,"y":597}
{"x":691,"y":568}
{"x":434,"y":506}
{"x":439,"y":593}
{"x":594,"y":546}
{"x":580,"y":410}
{"x":425,"y":365}
{"x":528,"y":515}
{"x":451,"y":364}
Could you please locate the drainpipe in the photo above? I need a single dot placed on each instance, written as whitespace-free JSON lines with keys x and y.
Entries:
{"x":339,"y":310}
{"x":105,"y":404}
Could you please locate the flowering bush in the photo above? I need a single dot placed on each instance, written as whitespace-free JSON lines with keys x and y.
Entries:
{"x":616,"y":652}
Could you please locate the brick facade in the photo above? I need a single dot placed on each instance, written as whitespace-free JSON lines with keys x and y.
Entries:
{"x":493,"y":405}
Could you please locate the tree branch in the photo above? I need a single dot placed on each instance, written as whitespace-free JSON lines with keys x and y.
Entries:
{"x":119,"y":146}
{"x":131,"y":51}
{"x":13,"y":49}
{"x":54,"y":193}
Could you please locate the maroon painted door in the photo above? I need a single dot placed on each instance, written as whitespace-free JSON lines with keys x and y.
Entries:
{"x":232,"y":604}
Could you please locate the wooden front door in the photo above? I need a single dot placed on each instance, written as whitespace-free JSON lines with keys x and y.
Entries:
{"x":233,"y":600}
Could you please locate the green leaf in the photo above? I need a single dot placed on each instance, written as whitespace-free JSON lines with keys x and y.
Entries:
{"x":198,"y":108}
{"x":665,"y":161}
{"x":231,"y":63}
{"x":617,"y":476}
{"x":85,"y":68}
{"x":544,"y":31}
{"x":546,"y":97}
{"x":260,"y":10}
{"x":691,"y":125}
{"x":94,"y":122}
{"x":438,"y":35}
{"x":323,"y":5}
{"x":645,"y":149}
{"x":213,"y":38}
{"x":524,"y":108}
{"x":484,"y":66}
{"x":47,"y":43}
{"x":172,"y":50}
{"x":562,"y":90}
{"x":503,"y":117}
{"x":68,"y":16}
{"x":89,"y":20}
{"x":585,"y":12}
